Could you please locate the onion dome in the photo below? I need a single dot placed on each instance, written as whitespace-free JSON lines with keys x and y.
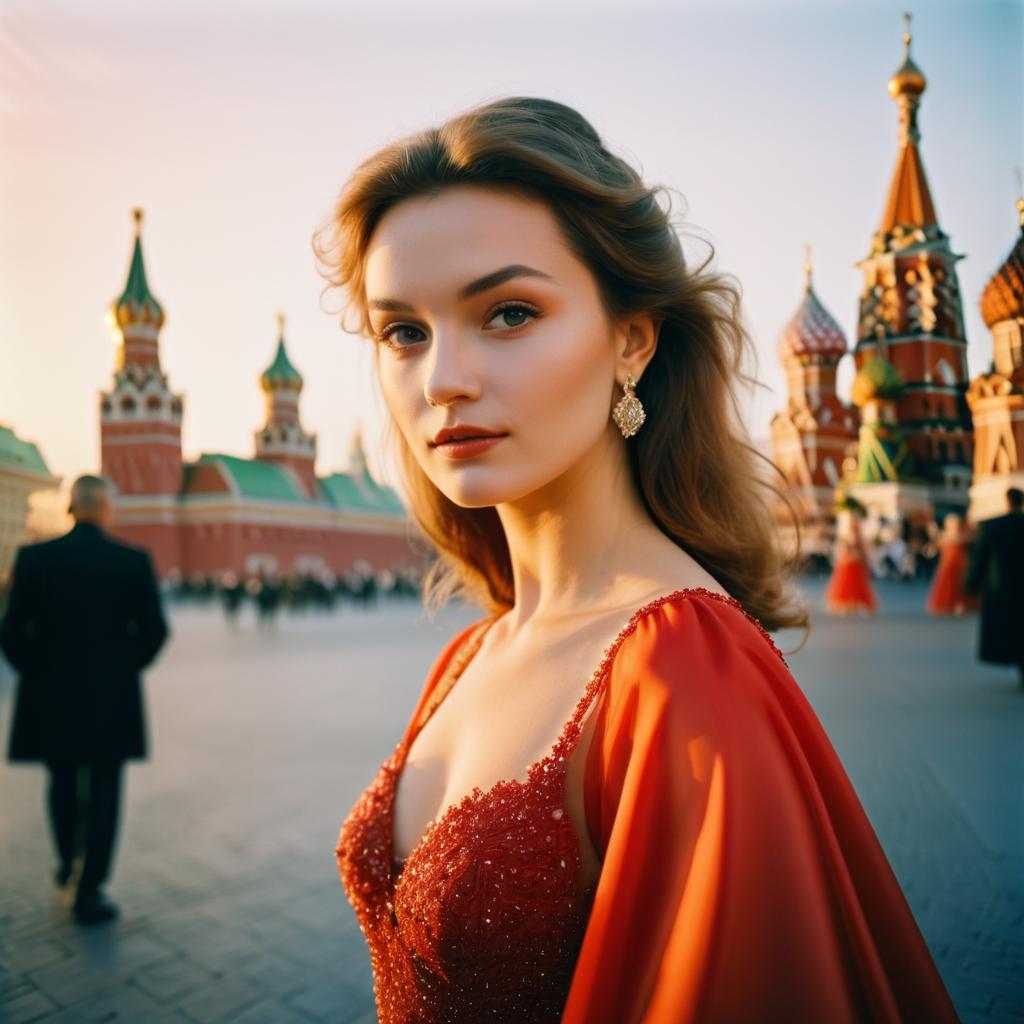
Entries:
{"x":280,"y":373}
{"x":877,"y":378}
{"x":812,"y":331}
{"x":136,"y":304}
{"x":909,"y":80}
{"x":1003,"y":297}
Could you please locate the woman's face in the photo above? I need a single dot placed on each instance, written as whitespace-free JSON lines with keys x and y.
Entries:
{"x":528,"y":355}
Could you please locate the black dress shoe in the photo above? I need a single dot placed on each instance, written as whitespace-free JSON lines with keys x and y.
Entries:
{"x":93,"y":907}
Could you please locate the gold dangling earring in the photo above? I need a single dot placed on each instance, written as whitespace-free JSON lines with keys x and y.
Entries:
{"x":629,"y":412}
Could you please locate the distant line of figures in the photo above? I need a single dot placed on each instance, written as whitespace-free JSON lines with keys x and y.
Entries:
{"x":270,"y":593}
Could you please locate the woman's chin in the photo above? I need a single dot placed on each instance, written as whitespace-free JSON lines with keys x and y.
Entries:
{"x":475,"y":490}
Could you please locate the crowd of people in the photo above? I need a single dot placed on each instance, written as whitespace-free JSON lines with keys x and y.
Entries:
{"x":271,"y":593}
{"x":971,"y":570}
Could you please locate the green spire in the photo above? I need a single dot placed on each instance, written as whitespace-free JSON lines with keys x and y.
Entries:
{"x":136,"y":296}
{"x":280,"y":373}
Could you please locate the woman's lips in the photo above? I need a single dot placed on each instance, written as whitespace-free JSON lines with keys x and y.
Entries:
{"x":469,"y":447}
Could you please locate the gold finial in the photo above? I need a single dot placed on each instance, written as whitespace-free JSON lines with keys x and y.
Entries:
{"x":280,"y":324}
{"x":807,"y":263}
{"x":137,"y":214}
{"x":906,"y":34}
{"x":1020,"y":195}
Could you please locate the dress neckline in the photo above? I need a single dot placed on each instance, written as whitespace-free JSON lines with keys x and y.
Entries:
{"x":566,"y":737}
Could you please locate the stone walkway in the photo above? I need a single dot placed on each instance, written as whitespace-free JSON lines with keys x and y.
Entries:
{"x":261,"y":742}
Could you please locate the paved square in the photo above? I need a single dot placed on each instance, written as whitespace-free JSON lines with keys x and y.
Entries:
{"x":261,"y":742}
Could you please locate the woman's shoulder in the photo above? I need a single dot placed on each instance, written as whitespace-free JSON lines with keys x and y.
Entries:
{"x":691,"y":653}
{"x":692,"y":625}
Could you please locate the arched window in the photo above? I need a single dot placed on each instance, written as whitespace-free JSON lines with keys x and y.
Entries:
{"x":945,"y":372}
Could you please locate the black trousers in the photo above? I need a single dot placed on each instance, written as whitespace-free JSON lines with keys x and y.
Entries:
{"x":84,"y":799}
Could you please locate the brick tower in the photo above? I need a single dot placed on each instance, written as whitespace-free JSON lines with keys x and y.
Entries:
{"x":282,"y":440}
{"x":815,"y":434}
{"x":140,"y":423}
{"x":996,"y":398}
{"x":910,"y":310}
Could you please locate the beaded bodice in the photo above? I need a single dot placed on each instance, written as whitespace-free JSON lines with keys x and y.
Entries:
{"x":483,"y":920}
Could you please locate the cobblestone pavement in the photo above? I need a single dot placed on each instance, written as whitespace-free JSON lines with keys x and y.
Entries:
{"x":261,"y":741}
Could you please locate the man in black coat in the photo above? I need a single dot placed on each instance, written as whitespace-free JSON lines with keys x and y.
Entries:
{"x":996,"y":571}
{"x":83,"y":618}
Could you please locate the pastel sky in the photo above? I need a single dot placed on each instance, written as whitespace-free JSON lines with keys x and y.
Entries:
{"x":235,"y":124}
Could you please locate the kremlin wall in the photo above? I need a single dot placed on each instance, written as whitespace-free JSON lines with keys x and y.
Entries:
{"x":270,"y":514}
{"x":919,"y":439}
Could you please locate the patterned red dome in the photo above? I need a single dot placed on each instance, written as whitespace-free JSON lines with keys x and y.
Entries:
{"x":1003,"y":297}
{"x":811,"y":331}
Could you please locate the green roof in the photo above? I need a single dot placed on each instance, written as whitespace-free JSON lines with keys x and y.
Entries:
{"x":20,"y":454}
{"x":137,"y":289}
{"x":256,"y":479}
{"x":361,"y":492}
{"x":281,"y":373}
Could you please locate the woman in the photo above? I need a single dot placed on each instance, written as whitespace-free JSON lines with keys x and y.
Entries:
{"x":947,"y":595}
{"x":849,"y":588}
{"x":684,"y":845}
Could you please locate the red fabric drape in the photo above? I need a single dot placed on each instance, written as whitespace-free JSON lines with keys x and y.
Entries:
{"x":741,"y":879}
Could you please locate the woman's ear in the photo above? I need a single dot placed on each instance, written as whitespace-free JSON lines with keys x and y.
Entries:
{"x":638,"y":343}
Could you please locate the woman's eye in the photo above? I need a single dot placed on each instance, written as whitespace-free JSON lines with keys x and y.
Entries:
{"x":515,"y":310}
{"x":392,"y":329}
{"x":519,"y":312}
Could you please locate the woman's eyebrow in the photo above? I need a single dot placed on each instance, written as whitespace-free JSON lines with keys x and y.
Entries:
{"x":481,"y":284}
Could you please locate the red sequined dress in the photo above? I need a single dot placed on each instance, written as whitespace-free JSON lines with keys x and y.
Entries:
{"x":740,"y":878}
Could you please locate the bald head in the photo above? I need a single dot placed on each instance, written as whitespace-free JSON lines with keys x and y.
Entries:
{"x":92,"y":500}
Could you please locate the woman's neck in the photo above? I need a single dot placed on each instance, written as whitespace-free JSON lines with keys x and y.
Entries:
{"x":585,"y":542}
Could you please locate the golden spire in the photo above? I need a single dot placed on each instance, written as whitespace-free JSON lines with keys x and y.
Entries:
{"x":280,"y":324}
{"x":906,"y":87}
{"x":1020,"y":196}
{"x":807,"y":264}
{"x":137,"y":214}
{"x":910,"y":201}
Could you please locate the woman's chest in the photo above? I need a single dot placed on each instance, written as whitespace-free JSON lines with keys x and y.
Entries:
{"x":499,"y":724}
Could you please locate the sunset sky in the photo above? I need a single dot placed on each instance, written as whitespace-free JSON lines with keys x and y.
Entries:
{"x":233,"y":125}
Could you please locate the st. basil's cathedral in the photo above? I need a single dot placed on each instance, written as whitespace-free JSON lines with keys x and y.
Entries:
{"x":270,"y":514}
{"x":919,"y":439}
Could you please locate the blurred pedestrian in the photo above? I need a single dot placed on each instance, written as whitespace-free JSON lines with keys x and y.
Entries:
{"x":849,"y":589}
{"x":232,"y":593}
{"x":83,"y":619}
{"x":947,"y":595}
{"x":996,"y":572}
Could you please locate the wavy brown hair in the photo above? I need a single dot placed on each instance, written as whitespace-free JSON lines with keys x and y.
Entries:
{"x":705,"y":486}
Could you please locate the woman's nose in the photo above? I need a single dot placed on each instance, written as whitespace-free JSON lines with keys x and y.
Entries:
{"x":450,"y":375}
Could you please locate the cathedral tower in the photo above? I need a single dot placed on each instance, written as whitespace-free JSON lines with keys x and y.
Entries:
{"x":997,"y":398}
{"x":282,"y":439}
{"x":811,"y":439}
{"x":140,"y":421}
{"x":910,"y":309}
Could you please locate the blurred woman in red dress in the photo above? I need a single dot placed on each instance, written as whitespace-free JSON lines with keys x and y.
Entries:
{"x":683,"y":844}
{"x":947,"y":595}
{"x":849,"y":590}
